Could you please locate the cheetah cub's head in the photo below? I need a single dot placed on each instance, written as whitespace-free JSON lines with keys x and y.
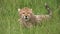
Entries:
{"x":25,"y":13}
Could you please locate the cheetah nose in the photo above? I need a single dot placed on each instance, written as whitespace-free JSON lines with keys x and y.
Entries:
{"x":26,"y":17}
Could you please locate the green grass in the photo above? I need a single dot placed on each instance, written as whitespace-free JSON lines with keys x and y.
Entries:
{"x":9,"y":17}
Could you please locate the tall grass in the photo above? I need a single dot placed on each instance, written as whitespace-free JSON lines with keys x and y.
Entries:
{"x":9,"y":17}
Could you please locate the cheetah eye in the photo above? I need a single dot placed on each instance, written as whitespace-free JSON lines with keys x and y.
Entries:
{"x":23,"y":13}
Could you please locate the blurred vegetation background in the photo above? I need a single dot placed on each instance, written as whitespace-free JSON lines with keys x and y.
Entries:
{"x":9,"y":16}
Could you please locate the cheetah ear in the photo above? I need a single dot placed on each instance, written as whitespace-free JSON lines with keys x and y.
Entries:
{"x":31,"y":9}
{"x":18,"y":9}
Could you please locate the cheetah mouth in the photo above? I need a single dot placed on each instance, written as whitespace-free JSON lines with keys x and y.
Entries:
{"x":26,"y":19}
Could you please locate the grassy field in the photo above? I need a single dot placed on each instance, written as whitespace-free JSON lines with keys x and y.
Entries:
{"x":9,"y":16}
